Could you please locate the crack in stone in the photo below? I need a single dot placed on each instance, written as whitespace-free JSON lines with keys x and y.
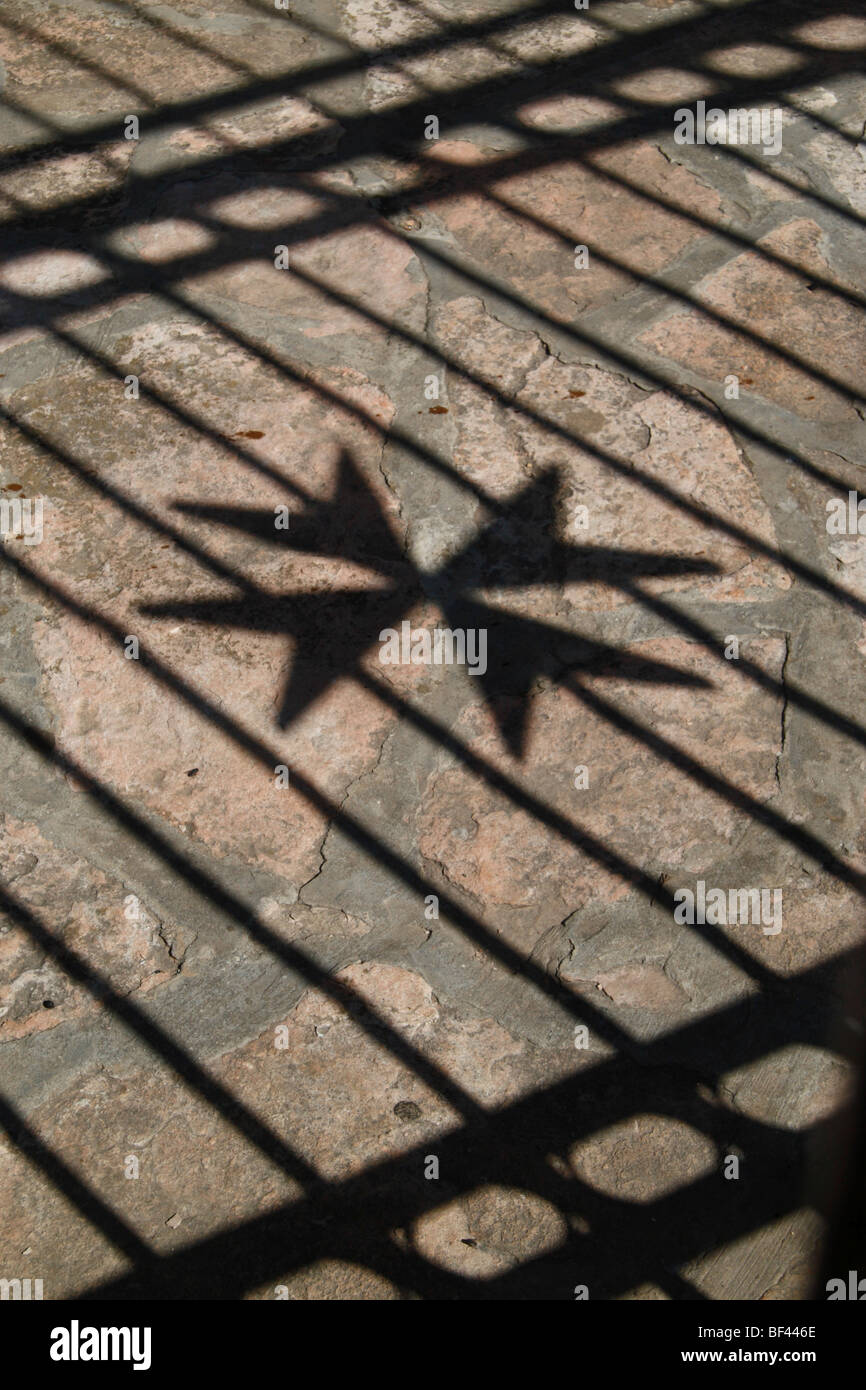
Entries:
{"x":169,"y":946}
{"x":323,"y":858}
{"x":783,"y":717}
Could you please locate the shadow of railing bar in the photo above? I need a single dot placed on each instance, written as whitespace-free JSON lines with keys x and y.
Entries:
{"x":367,"y":134}
{"x":349,"y":825}
{"x":165,"y":1047}
{"x":407,"y":1269}
{"x":160,"y":1043}
{"x":810,"y":575}
{"x":367,"y":841}
{"x":191,"y":308}
{"x":89,"y":1203}
{"x":226,"y":902}
{"x":566,"y":1111}
{"x":566,"y":829}
{"x":817,"y":708}
{"x":294,"y":81}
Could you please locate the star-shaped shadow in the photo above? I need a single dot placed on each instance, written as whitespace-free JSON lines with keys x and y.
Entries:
{"x":333,"y":630}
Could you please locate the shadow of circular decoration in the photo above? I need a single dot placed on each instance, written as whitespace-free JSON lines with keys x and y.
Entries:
{"x":644,"y":1158}
{"x":489,"y":1231}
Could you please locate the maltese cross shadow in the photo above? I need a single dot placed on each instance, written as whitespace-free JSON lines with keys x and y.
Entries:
{"x":331,"y":631}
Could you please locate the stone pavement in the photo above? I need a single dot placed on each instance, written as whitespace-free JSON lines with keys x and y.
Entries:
{"x":326,"y":976}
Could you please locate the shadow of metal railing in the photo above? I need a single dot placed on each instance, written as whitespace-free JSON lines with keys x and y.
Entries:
{"x":355,"y":1219}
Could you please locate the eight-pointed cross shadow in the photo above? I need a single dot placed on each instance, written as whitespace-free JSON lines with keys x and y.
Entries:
{"x":333,"y":630}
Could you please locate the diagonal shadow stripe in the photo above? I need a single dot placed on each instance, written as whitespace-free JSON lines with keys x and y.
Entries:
{"x":88,"y":1202}
{"x":357,"y":832}
{"x":512,"y":1146}
{"x":364,"y":134}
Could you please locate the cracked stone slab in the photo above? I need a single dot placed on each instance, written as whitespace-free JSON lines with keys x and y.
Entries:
{"x":790,"y":315}
{"x":95,"y":551}
{"x":504,"y":860}
{"x":523,"y":229}
{"x":90,"y":914}
{"x":324,"y":1085}
{"x":682,"y":445}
